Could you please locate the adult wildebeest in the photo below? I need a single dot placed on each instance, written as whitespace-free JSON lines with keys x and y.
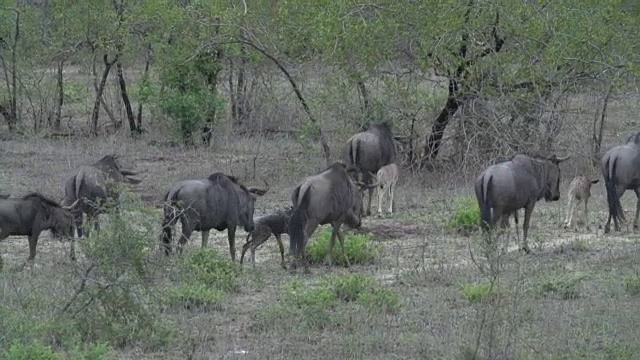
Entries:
{"x":621,"y":172}
{"x":504,"y":188}
{"x":329,"y":197}
{"x":579,"y":190}
{"x":93,"y":185}
{"x":32,"y":214}
{"x":273,"y":224}
{"x":218,"y":202}
{"x":368,"y":151}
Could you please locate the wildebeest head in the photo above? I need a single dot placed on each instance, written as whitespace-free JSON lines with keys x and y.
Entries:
{"x":354,"y":216}
{"x":110,"y":166}
{"x":247,"y":200}
{"x":58,"y":219}
{"x":552,"y":180}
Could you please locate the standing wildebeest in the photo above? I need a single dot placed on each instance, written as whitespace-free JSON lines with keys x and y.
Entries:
{"x":579,"y":190}
{"x":217,"y":202}
{"x":368,"y":151}
{"x":93,"y":185}
{"x":621,"y":172}
{"x":502,"y":189}
{"x":32,"y":214}
{"x":330,"y":197}
{"x":386,"y":180}
{"x":276,"y":224}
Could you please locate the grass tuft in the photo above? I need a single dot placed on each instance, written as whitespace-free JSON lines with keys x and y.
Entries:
{"x":358,"y":248}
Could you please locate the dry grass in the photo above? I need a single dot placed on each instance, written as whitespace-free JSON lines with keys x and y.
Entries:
{"x":422,"y":261}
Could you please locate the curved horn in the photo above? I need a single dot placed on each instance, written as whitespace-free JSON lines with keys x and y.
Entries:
{"x":563,"y":158}
{"x":127,"y":172}
{"x":70,"y":207}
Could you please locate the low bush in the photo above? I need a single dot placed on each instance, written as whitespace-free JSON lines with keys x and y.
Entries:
{"x":465,"y":217}
{"x":479,"y":292}
{"x":632,"y":284}
{"x":565,"y":287}
{"x":358,"y":248}
{"x":196,"y":296}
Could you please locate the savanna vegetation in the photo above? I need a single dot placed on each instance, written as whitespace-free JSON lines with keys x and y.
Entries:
{"x":272,"y":90}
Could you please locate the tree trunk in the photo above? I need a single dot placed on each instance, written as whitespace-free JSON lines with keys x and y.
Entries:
{"x":125,"y":98}
{"x":145,"y":75}
{"x":434,"y":140}
{"x":96,"y":104}
{"x":60,"y":90}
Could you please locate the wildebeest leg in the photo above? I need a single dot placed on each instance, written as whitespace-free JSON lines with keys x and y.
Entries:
{"x":231,"y":234}
{"x":341,"y":238}
{"x":586,"y":214}
{"x":635,"y":221}
{"x":309,"y":229}
{"x":33,"y":242}
{"x":369,"y":203}
{"x":3,"y":235}
{"x":380,"y":190}
{"x":525,"y":226}
{"x":205,"y":238}
{"x":570,"y":209}
{"x":335,"y":229}
{"x":185,"y":236}
{"x":247,"y":244}
{"x":281,"y":246}
{"x":392,"y":189}
{"x":77,"y":221}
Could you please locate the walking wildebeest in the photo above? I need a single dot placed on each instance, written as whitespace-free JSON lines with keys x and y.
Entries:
{"x":32,"y":214}
{"x":579,"y":190}
{"x":329,"y":197}
{"x":218,"y":202}
{"x":368,"y":151}
{"x":93,"y":185}
{"x":386,"y":180}
{"x":621,"y":172}
{"x":276,"y":224}
{"x":502,"y":189}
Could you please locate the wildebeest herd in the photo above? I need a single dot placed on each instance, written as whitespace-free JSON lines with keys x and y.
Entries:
{"x":333,"y":196}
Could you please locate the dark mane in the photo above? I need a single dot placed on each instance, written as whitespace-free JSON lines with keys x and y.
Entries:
{"x":383,"y":127}
{"x":216,"y":177}
{"x":42,"y":198}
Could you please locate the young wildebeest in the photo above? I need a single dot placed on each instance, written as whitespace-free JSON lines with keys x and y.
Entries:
{"x":386,"y":180}
{"x":217,"y":202}
{"x":330,"y":197}
{"x":579,"y":190}
{"x":93,"y":185}
{"x":276,"y":224}
{"x":621,"y":172}
{"x":502,"y":189}
{"x":32,"y":214}
{"x":368,"y":151}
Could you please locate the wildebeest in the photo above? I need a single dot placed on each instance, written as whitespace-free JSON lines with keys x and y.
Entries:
{"x":32,"y":214}
{"x":218,"y":202}
{"x":386,"y":180}
{"x":368,"y":151}
{"x":579,"y":190}
{"x":504,"y":188}
{"x":329,"y":197}
{"x":621,"y":172}
{"x":274,"y":224}
{"x":93,"y":185}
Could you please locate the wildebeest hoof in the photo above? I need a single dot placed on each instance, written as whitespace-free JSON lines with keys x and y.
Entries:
{"x":526,"y":249}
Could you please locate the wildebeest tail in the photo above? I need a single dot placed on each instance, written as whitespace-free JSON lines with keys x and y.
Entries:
{"x":485,"y":206}
{"x":612,"y":198}
{"x":297,"y":223}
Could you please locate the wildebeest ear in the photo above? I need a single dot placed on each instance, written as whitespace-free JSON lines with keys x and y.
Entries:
{"x":595,"y":181}
{"x":70,"y":207}
{"x":257,"y":191}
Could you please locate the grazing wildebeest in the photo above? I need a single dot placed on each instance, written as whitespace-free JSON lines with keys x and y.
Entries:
{"x":93,"y":185}
{"x":273,"y":224}
{"x":329,"y":197}
{"x":368,"y":151}
{"x":579,"y":190}
{"x":218,"y":202}
{"x":621,"y":172}
{"x":386,"y":180}
{"x":32,"y":214}
{"x":504,"y":188}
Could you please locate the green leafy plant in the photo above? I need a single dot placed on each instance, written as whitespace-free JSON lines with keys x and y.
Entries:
{"x":210,"y":268}
{"x":465,"y":217}
{"x":197,"y":296}
{"x":564,"y":286}
{"x":358,"y":248}
{"x":632,"y":284}
{"x":479,"y":292}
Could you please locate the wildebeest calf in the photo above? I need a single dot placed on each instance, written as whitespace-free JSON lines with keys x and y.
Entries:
{"x":579,"y":190}
{"x":387,"y":177}
{"x":276,"y":224}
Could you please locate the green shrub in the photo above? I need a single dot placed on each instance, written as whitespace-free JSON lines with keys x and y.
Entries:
{"x":197,"y":296}
{"x":358,"y":248}
{"x":33,"y":351}
{"x":210,"y":268}
{"x":478,"y":292}
{"x":564,"y":286}
{"x":632,"y":284}
{"x":465,"y":217}
{"x":74,"y":92}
